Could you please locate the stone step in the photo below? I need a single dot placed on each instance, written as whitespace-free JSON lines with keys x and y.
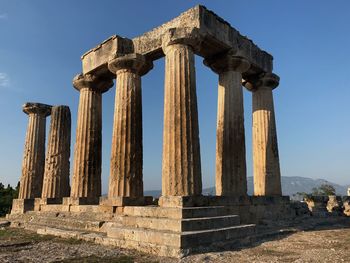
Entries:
{"x":162,"y":243}
{"x":187,"y":239}
{"x":176,"y":225}
{"x":194,"y":224}
{"x":101,"y":238}
{"x":232,"y":237}
{"x":178,"y":213}
{"x":39,"y":228}
{"x":80,"y":215}
{"x":195,"y":238}
{"x":71,"y":223}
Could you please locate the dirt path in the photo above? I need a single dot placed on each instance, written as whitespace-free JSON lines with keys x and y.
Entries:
{"x":306,"y":246}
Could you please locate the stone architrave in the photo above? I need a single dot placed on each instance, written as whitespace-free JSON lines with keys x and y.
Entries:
{"x":266,"y":166}
{"x":34,"y":151}
{"x":126,"y":155}
{"x":181,"y":165}
{"x":56,"y":175}
{"x":86,"y":181}
{"x":231,"y":174}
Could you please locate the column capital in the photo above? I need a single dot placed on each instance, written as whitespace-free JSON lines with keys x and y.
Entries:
{"x":37,"y":108}
{"x":228,"y":61}
{"x":133,"y":62}
{"x":269,"y":80}
{"x":182,"y":36}
{"x":93,"y":82}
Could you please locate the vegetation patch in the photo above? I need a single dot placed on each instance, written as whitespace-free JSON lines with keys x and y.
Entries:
{"x":7,"y":194}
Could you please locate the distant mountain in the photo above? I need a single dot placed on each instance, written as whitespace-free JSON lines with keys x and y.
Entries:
{"x":290,"y":185}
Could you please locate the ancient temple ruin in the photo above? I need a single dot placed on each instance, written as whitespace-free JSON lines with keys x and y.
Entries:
{"x":182,"y":221}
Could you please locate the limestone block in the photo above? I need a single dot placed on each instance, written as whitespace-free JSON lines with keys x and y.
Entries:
{"x":126,"y":201}
{"x":335,"y":205}
{"x":37,"y":204}
{"x":80,"y":201}
{"x":84,"y":208}
{"x":318,"y":205}
{"x":20,"y":206}
{"x":346,"y":205}
{"x":182,"y":201}
{"x":98,"y":57}
{"x":51,"y":201}
{"x":54,"y":208}
{"x":300,"y":208}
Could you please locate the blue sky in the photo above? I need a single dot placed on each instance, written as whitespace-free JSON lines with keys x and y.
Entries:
{"x":41,"y":43}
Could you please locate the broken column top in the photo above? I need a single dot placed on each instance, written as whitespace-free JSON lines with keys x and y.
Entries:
{"x":93,"y":82}
{"x":213,"y":37}
{"x":39,"y":108}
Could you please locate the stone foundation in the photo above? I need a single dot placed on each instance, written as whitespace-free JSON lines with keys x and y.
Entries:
{"x":177,"y":227}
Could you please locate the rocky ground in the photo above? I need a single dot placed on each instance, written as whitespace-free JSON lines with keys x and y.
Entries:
{"x":326,"y":240}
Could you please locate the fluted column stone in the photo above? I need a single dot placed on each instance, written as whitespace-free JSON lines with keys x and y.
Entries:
{"x":56,"y":175}
{"x":87,"y":151}
{"x":34,"y":151}
{"x":126,"y":154}
{"x":181,"y":165}
{"x":266,"y":166}
{"x":231,"y":174}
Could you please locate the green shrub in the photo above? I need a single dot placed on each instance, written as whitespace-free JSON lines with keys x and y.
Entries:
{"x":6,"y":196}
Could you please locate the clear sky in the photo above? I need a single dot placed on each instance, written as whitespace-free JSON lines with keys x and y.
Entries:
{"x":41,"y":43}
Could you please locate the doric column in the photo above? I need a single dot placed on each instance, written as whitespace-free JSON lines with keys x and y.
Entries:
{"x":231,"y":174}
{"x":126,"y":156}
{"x":87,"y":151}
{"x":267,"y":175}
{"x":56,"y":175}
{"x":34,"y":151}
{"x":181,"y":166}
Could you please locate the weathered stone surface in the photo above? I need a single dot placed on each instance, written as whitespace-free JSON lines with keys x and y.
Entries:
{"x":56,"y":175}
{"x":318,"y":205}
{"x":34,"y":150}
{"x":231,"y":174}
{"x":181,"y":167}
{"x":126,"y":201}
{"x":335,"y":205}
{"x":346,"y":205}
{"x":126,"y":157}
{"x":301,"y":209}
{"x":98,"y":57}
{"x":215,"y":36}
{"x":20,"y":206}
{"x":86,"y":181}
{"x":266,"y":167}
